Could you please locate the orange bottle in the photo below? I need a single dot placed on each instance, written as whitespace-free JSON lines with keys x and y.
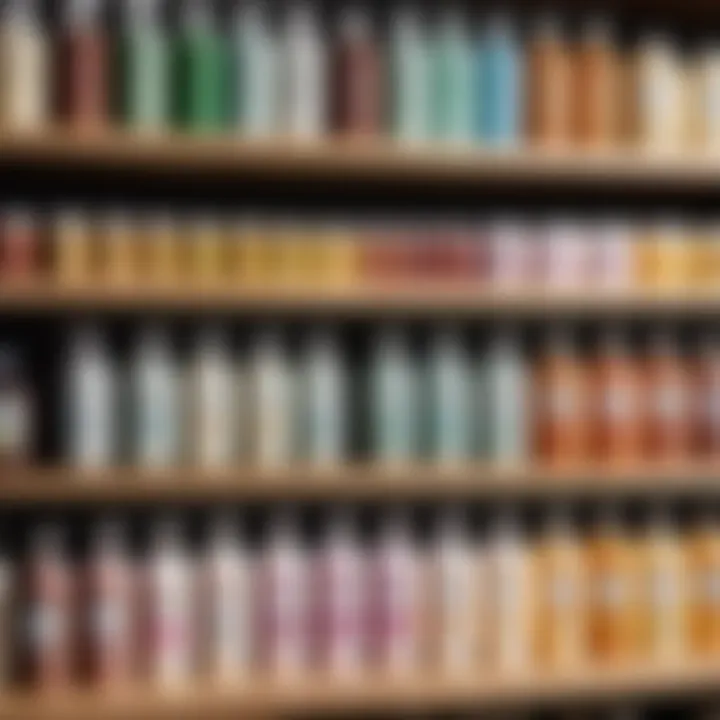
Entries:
{"x":617,"y":403}
{"x":667,"y":404}
{"x":702,"y":559}
{"x":612,"y":593}
{"x":560,"y":405}
{"x":559,"y":592}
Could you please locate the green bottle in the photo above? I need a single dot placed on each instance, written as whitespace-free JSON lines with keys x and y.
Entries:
{"x":145,"y":67}
{"x":201,"y":71}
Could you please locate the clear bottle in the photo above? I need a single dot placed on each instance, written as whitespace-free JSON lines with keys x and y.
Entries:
{"x":92,"y":436}
{"x":16,"y":412}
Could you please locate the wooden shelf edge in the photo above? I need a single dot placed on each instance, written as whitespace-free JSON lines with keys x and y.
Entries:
{"x":355,"y":483}
{"x":325,"y":696}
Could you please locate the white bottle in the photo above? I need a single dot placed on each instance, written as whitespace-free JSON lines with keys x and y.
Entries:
{"x":324,"y":408}
{"x":509,"y":583}
{"x":339,"y":604}
{"x":213,"y":402}
{"x":92,"y":423}
{"x":171,"y":607}
{"x":456,"y":583}
{"x":227,"y":608}
{"x":283,"y":601}
{"x":156,"y":394}
{"x":272,"y":403}
{"x":304,"y":81}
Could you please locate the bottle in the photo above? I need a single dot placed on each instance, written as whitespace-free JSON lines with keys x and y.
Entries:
{"x":710,"y":98}
{"x":393,"y":409}
{"x":272,"y":426}
{"x":19,"y":245}
{"x":668,"y":405}
{"x":85,"y":70}
{"x":500,"y":84}
{"x":509,"y":597}
{"x":16,"y":412}
{"x":560,"y":404}
{"x":303,"y":74}
{"x":91,"y":401}
{"x":226,"y":608}
{"x":339,"y":593}
{"x":72,"y":248}
{"x":109,"y":606}
{"x":358,"y":82}
{"x":611,"y":256}
{"x":155,"y":379}
{"x":663,"y":610}
{"x":171,"y":627}
{"x":706,"y":400}
{"x":410,"y":76}
{"x":617,"y":402}
{"x":323,"y":417}
{"x":395,"y":602}
{"x":454,"y":597}
{"x":502,"y":422}
{"x":8,"y":600}
{"x":201,"y":64}
{"x":510,"y":257}
{"x":24,"y":57}
{"x":49,"y":609}
{"x":283,"y":600}
{"x":449,"y":386}
{"x":559,"y":589}
{"x":146,"y":77}
{"x":566,"y":257}
{"x":255,"y":64}
{"x":213,"y":402}
{"x":451,"y":78}
{"x":118,"y":265}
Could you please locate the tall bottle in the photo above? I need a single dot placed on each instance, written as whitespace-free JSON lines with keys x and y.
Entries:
{"x":213,"y":402}
{"x":226,"y":608}
{"x":502,"y":424}
{"x":156,"y":398}
{"x":171,"y":607}
{"x":303,"y":73}
{"x":323,"y":411}
{"x":109,"y":606}
{"x":201,"y":66}
{"x":24,"y":59}
{"x":254,"y":74}
{"x":272,"y":421}
{"x":147,"y":81}
{"x":449,"y":411}
{"x":91,"y":401}
{"x":8,"y":603}
{"x":410,"y":74}
{"x":393,"y":411}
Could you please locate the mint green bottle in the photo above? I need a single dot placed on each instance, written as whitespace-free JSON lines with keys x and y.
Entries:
{"x":451,"y":79}
{"x":393,"y":401}
{"x":410,"y":76}
{"x":201,"y":70}
{"x":449,"y":406}
{"x":145,"y":67}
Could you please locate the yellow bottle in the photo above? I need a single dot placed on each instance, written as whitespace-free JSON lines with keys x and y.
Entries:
{"x":72,"y":248}
{"x":206,"y":252}
{"x":118,"y":242}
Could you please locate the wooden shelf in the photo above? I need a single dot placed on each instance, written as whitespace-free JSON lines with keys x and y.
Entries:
{"x":317,"y":696}
{"x":355,"y":483}
{"x":367,"y":300}
{"x":359,"y":160}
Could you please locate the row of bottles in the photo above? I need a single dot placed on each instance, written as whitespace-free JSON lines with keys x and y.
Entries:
{"x":420,"y":77}
{"x":503,"y":602}
{"x":505,"y":253}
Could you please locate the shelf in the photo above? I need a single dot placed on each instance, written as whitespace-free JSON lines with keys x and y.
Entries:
{"x":317,"y":696}
{"x":359,"y":160}
{"x":354,"y":483}
{"x":410,"y":300}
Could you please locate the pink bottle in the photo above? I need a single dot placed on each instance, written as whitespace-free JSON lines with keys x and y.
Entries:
{"x":50,"y":621}
{"x":283,"y":618}
{"x":338,"y":606}
{"x":510,"y":255}
{"x":611,"y":256}
{"x":566,"y":255}
{"x":394,"y":605}
{"x":109,"y":601}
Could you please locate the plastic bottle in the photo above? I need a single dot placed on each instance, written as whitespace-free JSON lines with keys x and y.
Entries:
{"x":16,"y":412}
{"x":8,"y":600}
{"x":706,"y":399}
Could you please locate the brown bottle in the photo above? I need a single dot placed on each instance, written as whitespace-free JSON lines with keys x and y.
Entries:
{"x":667,"y":402}
{"x":617,"y":403}
{"x":19,"y":246}
{"x":358,"y":77}
{"x":560,"y":404}
{"x":83,"y":84}
{"x":706,"y":400}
